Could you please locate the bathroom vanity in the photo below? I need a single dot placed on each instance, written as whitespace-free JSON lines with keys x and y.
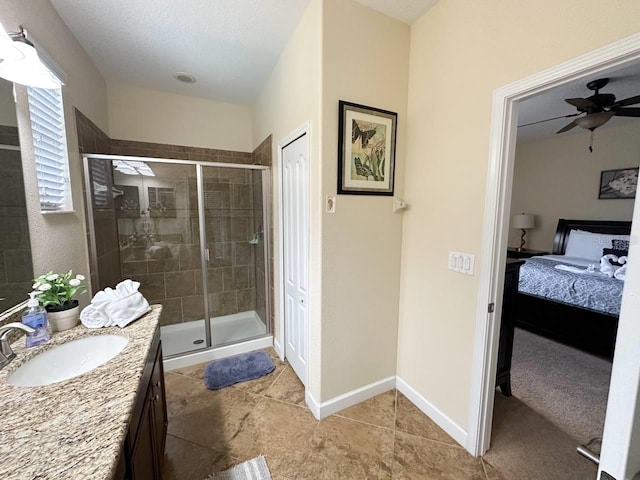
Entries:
{"x":108,"y":423}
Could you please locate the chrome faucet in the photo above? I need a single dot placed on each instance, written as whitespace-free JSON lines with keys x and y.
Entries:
{"x":6,"y":354}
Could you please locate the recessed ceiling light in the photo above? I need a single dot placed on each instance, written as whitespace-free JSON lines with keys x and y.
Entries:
{"x":184,"y":77}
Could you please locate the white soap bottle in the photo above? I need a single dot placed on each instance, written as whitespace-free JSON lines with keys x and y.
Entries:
{"x":36,"y":317}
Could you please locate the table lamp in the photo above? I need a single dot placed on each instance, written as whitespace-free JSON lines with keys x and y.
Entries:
{"x":523,"y":221}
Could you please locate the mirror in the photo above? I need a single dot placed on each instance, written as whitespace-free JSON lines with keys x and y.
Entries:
{"x":16,"y":270}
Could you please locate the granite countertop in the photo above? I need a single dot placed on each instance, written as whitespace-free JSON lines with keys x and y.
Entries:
{"x":73,"y":429}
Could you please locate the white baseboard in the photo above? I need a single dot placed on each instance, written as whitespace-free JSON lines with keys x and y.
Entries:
{"x":216,"y":353}
{"x":349,"y":399}
{"x":454,"y":430}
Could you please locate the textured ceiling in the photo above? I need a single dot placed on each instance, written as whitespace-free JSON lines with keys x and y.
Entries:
{"x":230,"y":46}
{"x":623,"y":83}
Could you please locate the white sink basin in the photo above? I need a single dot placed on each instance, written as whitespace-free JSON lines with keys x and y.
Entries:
{"x":68,"y":360}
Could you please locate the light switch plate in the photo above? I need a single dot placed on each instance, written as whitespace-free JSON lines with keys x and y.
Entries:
{"x":461,"y":262}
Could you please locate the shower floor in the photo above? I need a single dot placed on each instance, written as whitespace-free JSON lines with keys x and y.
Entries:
{"x":190,"y":336}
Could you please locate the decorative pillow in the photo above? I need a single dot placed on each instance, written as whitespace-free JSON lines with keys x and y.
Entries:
{"x":617,"y":253}
{"x":589,"y":245}
{"x":619,"y":244}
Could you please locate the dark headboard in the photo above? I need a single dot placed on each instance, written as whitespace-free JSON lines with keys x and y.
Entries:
{"x":614,"y":227}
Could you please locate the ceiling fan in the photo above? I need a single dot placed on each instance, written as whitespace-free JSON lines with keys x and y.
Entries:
{"x":599,"y":108}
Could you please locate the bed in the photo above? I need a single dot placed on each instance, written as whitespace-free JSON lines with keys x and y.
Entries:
{"x":593,"y":323}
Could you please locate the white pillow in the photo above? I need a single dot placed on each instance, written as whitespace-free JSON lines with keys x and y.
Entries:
{"x":589,"y":245}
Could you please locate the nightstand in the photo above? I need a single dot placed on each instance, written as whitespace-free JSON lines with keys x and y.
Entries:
{"x":513,"y":253}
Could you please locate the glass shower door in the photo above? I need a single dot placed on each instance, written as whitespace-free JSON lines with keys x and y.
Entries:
{"x":156,"y":208}
{"x":233,"y":216}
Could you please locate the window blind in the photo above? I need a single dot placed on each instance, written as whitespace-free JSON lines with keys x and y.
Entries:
{"x":50,"y":144}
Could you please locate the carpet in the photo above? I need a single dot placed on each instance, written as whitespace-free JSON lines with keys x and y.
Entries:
{"x":565,"y":385}
{"x":239,"y":368}
{"x":254,"y":469}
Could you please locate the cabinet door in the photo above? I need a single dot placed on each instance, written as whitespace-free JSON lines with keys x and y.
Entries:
{"x":159,"y":407}
{"x":142,"y":456}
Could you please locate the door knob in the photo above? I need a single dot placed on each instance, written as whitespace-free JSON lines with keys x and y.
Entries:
{"x":302,"y":301}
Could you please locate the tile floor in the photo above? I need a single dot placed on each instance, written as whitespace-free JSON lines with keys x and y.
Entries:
{"x":386,"y":437}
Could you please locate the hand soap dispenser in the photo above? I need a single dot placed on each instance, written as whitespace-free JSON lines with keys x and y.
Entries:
{"x":36,"y":317}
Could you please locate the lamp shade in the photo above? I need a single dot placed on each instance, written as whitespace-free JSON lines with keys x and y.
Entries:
{"x":29,"y":71}
{"x":523,"y":221}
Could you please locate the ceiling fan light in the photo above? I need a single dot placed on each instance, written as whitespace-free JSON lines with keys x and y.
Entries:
{"x":595,"y":120}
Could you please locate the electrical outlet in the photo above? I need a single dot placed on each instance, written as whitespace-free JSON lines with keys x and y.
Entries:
{"x":461,"y":262}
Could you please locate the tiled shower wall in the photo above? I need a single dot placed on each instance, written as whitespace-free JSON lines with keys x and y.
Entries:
{"x":236,"y":279}
{"x":16,"y":269}
{"x":230,"y":213}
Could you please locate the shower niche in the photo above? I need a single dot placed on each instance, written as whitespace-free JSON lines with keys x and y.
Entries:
{"x":192,"y":234}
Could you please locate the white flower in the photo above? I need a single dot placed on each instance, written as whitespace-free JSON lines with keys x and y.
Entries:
{"x":79,"y":277}
{"x":44,"y":287}
{"x":36,"y":285}
{"x":74,"y":282}
{"x":52,"y":277}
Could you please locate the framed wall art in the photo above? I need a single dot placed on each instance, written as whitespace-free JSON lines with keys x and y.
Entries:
{"x":366,"y":149}
{"x":621,"y":183}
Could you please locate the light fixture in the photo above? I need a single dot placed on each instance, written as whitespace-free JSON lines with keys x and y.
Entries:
{"x":28,"y":70}
{"x":133,"y":167}
{"x":594,"y":120}
{"x":8,"y":50}
{"x":524,"y":221}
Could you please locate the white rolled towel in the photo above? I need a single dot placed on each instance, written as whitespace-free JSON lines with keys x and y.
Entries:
{"x":621,"y":273}
{"x":94,"y":318}
{"x":605,"y":265}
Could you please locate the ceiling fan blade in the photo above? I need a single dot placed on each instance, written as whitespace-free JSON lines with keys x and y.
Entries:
{"x":582,"y":103}
{"x":567,"y":127}
{"x":626,"y":101}
{"x":628,"y":112}
{"x":549,"y":119}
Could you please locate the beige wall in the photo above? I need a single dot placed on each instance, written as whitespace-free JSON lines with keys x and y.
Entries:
{"x":558,"y":178}
{"x":158,"y":117}
{"x":365,"y":61}
{"x":57,"y":240}
{"x":460,"y":53}
{"x":292,"y":96}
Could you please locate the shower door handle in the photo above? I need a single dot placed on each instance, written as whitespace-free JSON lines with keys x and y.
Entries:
{"x":206,"y":254}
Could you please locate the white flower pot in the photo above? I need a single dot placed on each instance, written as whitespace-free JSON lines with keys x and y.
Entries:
{"x":64,"y":320}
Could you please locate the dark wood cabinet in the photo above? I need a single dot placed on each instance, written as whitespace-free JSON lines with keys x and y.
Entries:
{"x":143,"y":450}
{"x":507,"y":325}
{"x":514,"y":253}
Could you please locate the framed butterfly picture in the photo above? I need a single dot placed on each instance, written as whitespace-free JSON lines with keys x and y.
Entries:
{"x":366,"y":149}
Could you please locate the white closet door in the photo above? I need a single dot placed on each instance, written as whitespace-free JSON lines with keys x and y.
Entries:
{"x":295,"y":190}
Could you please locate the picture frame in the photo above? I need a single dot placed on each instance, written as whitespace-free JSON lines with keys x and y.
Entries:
{"x":366,"y":149}
{"x":162,"y":202}
{"x":127,"y":201}
{"x":618,"y":183}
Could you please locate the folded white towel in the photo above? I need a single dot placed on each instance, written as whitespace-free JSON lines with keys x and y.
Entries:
{"x":119,"y":306}
{"x":588,"y":271}
{"x":605,"y":264}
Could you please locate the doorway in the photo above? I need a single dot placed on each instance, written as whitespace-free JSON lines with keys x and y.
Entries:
{"x":619,"y":435}
{"x":293,"y":160}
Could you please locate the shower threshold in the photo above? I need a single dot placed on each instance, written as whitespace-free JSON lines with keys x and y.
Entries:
{"x":187,"y":337}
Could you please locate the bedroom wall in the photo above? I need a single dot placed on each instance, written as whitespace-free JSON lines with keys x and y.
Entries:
{"x":158,"y":117}
{"x":460,"y":53}
{"x":558,"y":178}
{"x":361,"y":242}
